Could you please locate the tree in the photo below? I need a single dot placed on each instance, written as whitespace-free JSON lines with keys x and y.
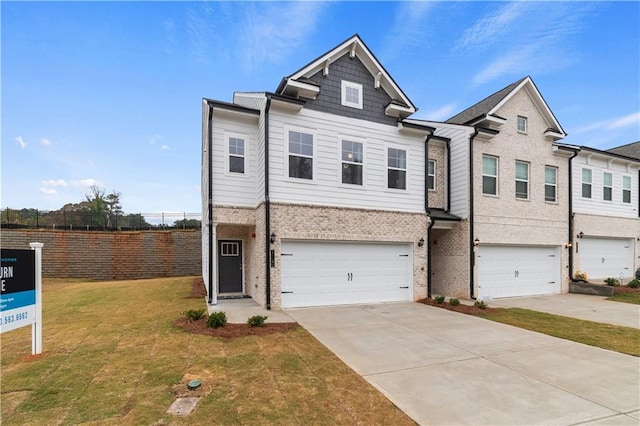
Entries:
{"x":104,"y":208}
{"x":187,"y":224}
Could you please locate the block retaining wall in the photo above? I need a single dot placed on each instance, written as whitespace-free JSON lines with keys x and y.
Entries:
{"x":112,"y":255}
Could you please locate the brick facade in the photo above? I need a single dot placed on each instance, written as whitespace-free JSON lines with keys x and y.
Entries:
{"x":112,"y":255}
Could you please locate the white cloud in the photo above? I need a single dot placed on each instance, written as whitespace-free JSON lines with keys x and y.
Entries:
{"x":85,"y":183}
{"x":21,"y":142}
{"x":52,"y":182}
{"x":489,"y":29}
{"x":48,"y":191}
{"x":165,"y":148}
{"x":408,"y":29}
{"x":154,"y":138}
{"x":614,"y":123}
{"x":439,"y":114}
{"x":45,"y":142}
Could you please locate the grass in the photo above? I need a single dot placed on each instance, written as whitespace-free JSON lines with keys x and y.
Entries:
{"x":112,"y":356}
{"x":626,"y":298}
{"x":616,"y":338}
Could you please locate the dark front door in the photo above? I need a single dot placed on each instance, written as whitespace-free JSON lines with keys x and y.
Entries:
{"x":230,"y":266}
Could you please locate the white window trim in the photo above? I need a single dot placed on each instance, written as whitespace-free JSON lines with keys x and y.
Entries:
{"x":404,"y":148}
{"x":582,"y":182}
{"x":604,"y":186}
{"x":526,"y":124}
{"x":435,"y":174}
{"x":555,"y":185}
{"x":342,"y":138}
{"x":348,"y":84}
{"x":308,"y":131}
{"x":625,"y":189}
{"x":496,"y":176}
{"x":527,"y":181}
{"x":247,"y":143}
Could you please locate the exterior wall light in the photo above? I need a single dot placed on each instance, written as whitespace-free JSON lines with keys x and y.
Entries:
{"x":568,"y":245}
{"x":421,"y":242}
{"x":273,"y":237}
{"x":581,"y":234}
{"x":476,"y":242}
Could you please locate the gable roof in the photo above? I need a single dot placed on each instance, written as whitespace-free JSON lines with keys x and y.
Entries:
{"x":298,"y":83}
{"x":629,"y":150}
{"x":486,"y":109}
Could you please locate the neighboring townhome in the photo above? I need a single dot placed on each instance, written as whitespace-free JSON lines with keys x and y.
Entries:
{"x":517,"y":190}
{"x":318,"y":193}
{"x":606,"y":220}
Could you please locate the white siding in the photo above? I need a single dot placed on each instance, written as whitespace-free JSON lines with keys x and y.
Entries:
{"x":256,"y":101}
{"x":233,"y":188}
{"x":327,"y":188}
{"x":596,"y":204}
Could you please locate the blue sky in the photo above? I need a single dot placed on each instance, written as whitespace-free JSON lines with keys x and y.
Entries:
{"x":110,"y":93}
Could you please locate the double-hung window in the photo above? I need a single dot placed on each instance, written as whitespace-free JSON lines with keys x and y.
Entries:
{"x":522,"y":180}
{"x":607,"y":186}
{"x":489,"y":175}
{"x":550,"y":184}
{"x":300,"y":155}
{"x":352,"y":158}
{"x":586,"y":183}
{"x":626,"y":189}
{"x":396,"y":168}
{"x":236,"y":155}
{"x":431,"y":175}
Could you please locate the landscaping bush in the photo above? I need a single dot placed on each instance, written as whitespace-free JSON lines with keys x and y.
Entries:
{"x":480,"y":304}
{"x":581,"y":276}
{"x":634,"y":283}
{"x":195,"y":314}
{"x":454,"y":302}
{"x":440,"y":300}
{"x":217,"y":320}
{"x":612,"y":282}
{"x":257,"y":321}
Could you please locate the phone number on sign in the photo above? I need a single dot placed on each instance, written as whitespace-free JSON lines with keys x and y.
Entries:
{"x":20,"y":316}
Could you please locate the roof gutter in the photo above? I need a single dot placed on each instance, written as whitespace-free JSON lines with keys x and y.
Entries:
{"x":472,"y":257}
{"x":267,"y":206}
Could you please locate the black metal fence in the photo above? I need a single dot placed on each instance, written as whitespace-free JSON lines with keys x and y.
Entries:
{"x":86,"y":221}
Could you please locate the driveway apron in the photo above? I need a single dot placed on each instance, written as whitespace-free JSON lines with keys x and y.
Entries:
{"x":442,"y":367}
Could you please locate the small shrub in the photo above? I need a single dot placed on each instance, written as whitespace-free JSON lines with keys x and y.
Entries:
{"x":480,"y":304}
{"x":454,"y":302}
{"x":634,"y":283}
{"x":194,"y":314}
{"x":612,"y":282}
{"x":217,"y":320}
{"x":256,"y":321}
{"x":581,"y":276}
{"x":440,"y":300}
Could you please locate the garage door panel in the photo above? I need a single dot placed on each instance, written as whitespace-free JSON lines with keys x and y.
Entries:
{"x":329,"y":273}
{"x":510,"y":271}
{"x":606,"y":257}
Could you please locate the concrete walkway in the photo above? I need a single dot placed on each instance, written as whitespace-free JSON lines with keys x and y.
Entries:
{"x":581,"y":306}
{"x":441,"y":367}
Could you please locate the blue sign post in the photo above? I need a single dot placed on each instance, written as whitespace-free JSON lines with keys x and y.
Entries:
{"x":21,"y":296}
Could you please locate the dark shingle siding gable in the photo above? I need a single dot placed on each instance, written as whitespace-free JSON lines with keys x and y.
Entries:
{"x":330,"y":97}
{"x":631,"y":150}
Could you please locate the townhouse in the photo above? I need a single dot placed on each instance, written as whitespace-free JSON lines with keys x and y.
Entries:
{"x":326,"y":191}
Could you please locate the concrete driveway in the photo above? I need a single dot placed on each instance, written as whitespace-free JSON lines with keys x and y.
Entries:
{"x":581,"y":306}
{"x":441,"y":367}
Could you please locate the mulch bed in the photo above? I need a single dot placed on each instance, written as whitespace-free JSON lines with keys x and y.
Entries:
{"x":463,"y":309}
{"x":198,"y":290}
{"x":233,"y":330}
{"x":625,"y":290}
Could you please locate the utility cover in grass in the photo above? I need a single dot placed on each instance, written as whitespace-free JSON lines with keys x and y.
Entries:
{"x":183,"y":406}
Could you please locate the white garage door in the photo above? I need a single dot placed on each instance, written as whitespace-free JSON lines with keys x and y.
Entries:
{"x":508,"y":271}
{"x":329,"y":273}
{"x":604,"y":258}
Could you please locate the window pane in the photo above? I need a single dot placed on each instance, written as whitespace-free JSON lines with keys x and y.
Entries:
{"x":300,"y":167}
{"x":550,"y":193}
{"x":522,"y":124}
{"x":550,"y":175}
{"x":397,"y":179}
{"x":432,"y":167}
{"x":352,"y":174}
{"x":236,"y":146}
{"x":626,"y":182}
{"x":608,"y":179}
{"x":352,"y":95}
{"x":352,"y":151}
{"x":236,"y":164}
{"x":607,"y":193}
{"x":397,"y":158}
{"x":626,"y":196}
{"x":490,"y":166}
{"x":522,"y":170}
{"x":586,"y":175}
{"x":522,"y":189}
{"x":586,"y":190}
{"x":300,"y":143}
{"x":489,"y":185}
{"x":431,"y":183}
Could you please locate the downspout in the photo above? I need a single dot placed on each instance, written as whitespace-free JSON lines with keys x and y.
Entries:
{"x":472,"y":254}
{"x":210,"y":198}
{"x":267,"y":205}
{"x":571,"y":249}
{"x":448,"y":151}
{"x":427,"y":210}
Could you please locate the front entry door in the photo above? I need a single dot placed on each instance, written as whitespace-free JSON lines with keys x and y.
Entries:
{"x":230,"y":266}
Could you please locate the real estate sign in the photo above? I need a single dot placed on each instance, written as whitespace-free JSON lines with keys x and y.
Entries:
{"x":18,"y":280}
